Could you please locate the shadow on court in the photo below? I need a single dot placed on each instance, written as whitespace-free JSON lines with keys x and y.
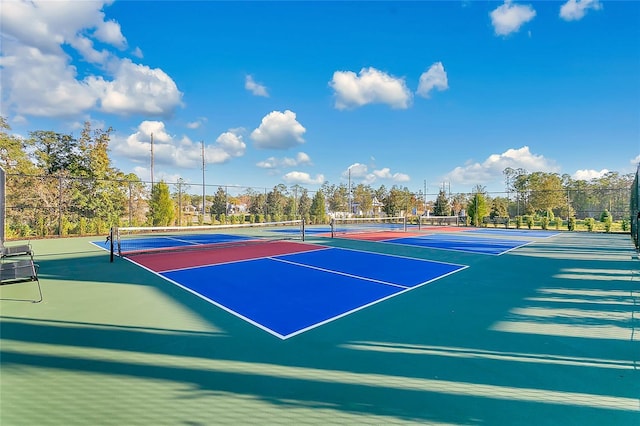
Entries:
{"x":547,"y":334}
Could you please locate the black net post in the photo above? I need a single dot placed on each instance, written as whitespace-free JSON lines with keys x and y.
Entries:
{"x":111,"y":245}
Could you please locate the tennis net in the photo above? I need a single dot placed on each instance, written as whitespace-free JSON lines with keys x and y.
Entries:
{"x":367,"y":224}
{"x":441,"y":221}
{"x":136,"y":240}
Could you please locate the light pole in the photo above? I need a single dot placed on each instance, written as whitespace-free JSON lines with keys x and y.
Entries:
{"x":349,"y":195}
{"x":203,"y":187}
{"x":152,"y":161}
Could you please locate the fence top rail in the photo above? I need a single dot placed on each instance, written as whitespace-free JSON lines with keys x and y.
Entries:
{"x":207,"y":227}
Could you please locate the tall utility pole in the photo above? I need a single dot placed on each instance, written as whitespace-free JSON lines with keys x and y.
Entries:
{"x":152,"y":161}
{"x":425,"y":197}
{"x":203,"y":187}
{"x":350,"y":207}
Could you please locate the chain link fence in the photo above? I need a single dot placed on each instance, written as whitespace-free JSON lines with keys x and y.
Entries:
{"x":59,"y":206}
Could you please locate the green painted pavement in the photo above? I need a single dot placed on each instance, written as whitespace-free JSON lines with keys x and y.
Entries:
{"x":545,"y":334}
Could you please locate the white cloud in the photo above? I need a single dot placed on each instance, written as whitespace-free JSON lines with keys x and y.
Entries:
{"x":574,"y":10}
{"x":109,"y":32}
{"x":360,"y":172}
{"x":256,"y":88}
{"x":196,"y":124}
{"x":434,"y":78}
{"x":41,"y":79}
{"x":274,"y":163}
{"x":137,"y":52}
{"x":303,"y":178}
{"x":41,"y":84}
{"x":138,"y":89}
{"x":278,"y":130}
{"x":493,"y":167}
{"x":635,"y":161}
{"x":357,"y":170}
{"x":371,"y":86}
{"x":177,"y":151}
{"x":232,"y":143}
{"x":509,"y":17}
{"x":589,"y":174}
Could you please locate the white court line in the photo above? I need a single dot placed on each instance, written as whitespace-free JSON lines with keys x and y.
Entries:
{"x":331,"y":271}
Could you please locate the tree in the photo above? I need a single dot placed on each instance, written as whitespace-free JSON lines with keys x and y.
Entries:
{"x":101,"y":194}
{"x":458,"y":203}
{"x":219,"y":203}
{"x":181,"y":197}
{"x":477,"y":207}
{"x":304,"y":205}
{"x":398,"y":200}
{"x":381,"y":193}
{"x":442,"y":207}
{"x":499,"y":207}
{"x":276,"y":200}
{"x":54,"y":152}
{"x":363,"y":198}
{"x":21,"y":191}
{"x":13,"y":154}
{"x":607,"y":219}
{"x":161,"y":207}
{"x":318,"y":209}
{"x":546,"y":191}
{"x":292,"y":209}
{"x":336,"y":196}
{"x":257,"y":201}
{"x":137,"y":200}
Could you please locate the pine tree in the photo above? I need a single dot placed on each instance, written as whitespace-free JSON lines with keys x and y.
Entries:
{"x":161,"y":206}
{"x":318,"y":208}
{"x":442,"y":206}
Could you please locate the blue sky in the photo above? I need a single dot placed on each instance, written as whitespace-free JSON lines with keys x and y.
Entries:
{"x":397,"y":93}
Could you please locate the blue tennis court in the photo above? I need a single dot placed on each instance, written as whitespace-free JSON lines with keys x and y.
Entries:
{"x":464,"y":243}
{"x":163,"y":242}
{"x":513,"y":232}
{"x":290,"y":293}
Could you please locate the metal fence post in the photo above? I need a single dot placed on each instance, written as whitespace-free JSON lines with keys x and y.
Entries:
{"x":2,"y":202}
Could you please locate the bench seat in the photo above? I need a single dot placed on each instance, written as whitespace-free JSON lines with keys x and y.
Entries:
{"x":19,"y":271}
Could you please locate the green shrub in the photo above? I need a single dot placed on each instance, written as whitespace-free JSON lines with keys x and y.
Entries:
{"x":590,"y":223}
{"x":66,"y":226}
{"x":571,"y":224}
{"x":544,"y":222}
{"x":625,"y":225}
{"x":530,"y":221}
{"x":558,"y":222}
{"x":518,"y":222}
{"x":550,"y":215}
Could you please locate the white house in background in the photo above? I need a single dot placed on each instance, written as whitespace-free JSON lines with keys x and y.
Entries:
{"x":236,"y":208}
{"x":376,"y":206}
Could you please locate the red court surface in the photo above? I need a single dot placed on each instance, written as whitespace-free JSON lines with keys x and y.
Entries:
{"x":189,"y":259}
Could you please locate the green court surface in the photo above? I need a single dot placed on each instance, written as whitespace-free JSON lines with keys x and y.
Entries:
{"x":547,"y":334}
